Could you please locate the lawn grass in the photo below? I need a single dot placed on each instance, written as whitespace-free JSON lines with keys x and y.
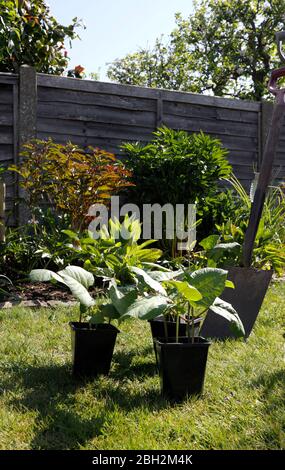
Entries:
{"x":42,"y":407}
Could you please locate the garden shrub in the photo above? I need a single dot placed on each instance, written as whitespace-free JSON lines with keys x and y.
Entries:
{"x":177,"y":168}
{"x":35,"y":245}
{"x":70,"y":178}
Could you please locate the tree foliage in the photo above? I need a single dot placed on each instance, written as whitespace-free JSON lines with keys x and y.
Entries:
{"x":225,"y":48}
{"x":29,"y":34}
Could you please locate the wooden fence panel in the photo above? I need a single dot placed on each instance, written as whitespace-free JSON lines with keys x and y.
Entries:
{"x":105,"y":115}
{"x":9,"y":139}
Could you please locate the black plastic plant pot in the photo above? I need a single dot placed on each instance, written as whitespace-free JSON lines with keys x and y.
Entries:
{"x":92,"y":348}
{"x":182,"y":366}
{"x":158,"y":327}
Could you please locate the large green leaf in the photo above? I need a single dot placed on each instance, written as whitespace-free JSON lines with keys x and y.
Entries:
{"x":105,"y":311}
{"x":229,"y":284}
{"x":144,"y":277}
{"x":161,"y":276}
{"x":78,"y":290}
{"x":79,"y":274}
{"x":149,"y":255}
{"x":210,"y":282}
{"x":155,"y":266}
{"x":147,"y":308}
{"x":6,"y":279}
{"x":226,"y":310}
{"x":227,"y":246}
{"x":189,"y":292}
{"x":222,"y":249}
{"x":209,"y":242}
{"x":44,"y":275}
{"x":121,"y":299}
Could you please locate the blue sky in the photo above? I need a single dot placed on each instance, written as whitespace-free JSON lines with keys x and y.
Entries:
{"x":116,"y":27}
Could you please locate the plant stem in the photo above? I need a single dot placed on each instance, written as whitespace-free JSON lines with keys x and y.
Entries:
{"x":188,"y":322}
{"x":177,"y":328}
{"x":193,"y":327}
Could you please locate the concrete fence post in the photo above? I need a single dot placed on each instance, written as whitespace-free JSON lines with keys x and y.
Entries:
{"x":27,"y":121}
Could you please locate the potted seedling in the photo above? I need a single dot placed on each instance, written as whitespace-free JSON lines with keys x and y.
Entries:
{"x":166,"y":325}
{"x":93,"y":336}
{"x":182,"y":359}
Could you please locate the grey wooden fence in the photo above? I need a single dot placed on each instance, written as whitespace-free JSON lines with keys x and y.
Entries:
{"x":105,"y":115}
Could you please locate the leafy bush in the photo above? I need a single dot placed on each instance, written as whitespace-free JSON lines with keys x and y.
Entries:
{"x":70,"y":178}
{"x":178,"y":168}
{"x":39,"y":245}
{"x":115,"y":252}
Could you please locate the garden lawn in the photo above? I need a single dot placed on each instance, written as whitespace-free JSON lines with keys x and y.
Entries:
{"x":42,"y":407}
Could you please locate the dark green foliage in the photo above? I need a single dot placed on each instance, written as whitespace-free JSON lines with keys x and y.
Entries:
{"x":29,"y":34}
{"x":179,"y":168}
{"x":35,"y":245}
{"x":225,"y":247}
{"x":215,"y":210}
{"x":176,"y":167}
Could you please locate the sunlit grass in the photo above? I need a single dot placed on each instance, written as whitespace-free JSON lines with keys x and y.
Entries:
{"x":42,"y":407}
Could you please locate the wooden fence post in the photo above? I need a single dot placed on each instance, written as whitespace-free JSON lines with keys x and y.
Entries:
{"x":2,"y":211}
{"x":27,"y":120}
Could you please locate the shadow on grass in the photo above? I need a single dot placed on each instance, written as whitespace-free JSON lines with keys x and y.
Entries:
{"x":269,"y":382}
{"x":61,"y":421}
{"x":127,"y":367}
{"x":272,"y":386}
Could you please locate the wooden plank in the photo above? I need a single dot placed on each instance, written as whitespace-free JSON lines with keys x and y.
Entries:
{"x":210,"y":126}
{"x":242,"y":143}
{"x":6,"y":94}
{"x":60,"y":126}
{"x":130,"y":90}
{"x":61,"y":138}
{"x":67,"y":111}
{"x":209,"y":112}
{"x":57,"y":96}
{"x":6,"y":135}
{"x":6,"y":119}
{"x":6,"y":108}
{"x":6,"y":153}
{"x":8,"y":78}
{"x":243,"y":155}
{"x":159,"y":112}
{"x":69,"y":128}
{"x":120,"y":132}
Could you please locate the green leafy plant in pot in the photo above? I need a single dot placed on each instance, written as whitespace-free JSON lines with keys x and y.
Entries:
{"x":165,"y":325}
{"x":93,"y":336}
{"x":182,"y":359}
